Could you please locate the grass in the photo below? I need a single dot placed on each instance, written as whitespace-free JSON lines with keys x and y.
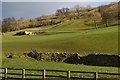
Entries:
{"x":28,"y":63}
{"x":71,"y":36}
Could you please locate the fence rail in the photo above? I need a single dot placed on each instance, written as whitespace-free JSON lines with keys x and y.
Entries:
{"x":44,"y":75}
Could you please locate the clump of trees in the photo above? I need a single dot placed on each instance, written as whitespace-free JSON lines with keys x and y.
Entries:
{"x":11,"y":24}
{"x":79,"y":10}
{"x":7,"y":24}
{"x":104,"y":15}
{"x":63,"y":13}
{"x":71,"y":13}
{"x":95,"y":19}
{"x":108,"y":14}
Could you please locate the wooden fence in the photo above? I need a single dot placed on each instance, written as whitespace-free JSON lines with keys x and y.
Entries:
{"x":5,"y":73}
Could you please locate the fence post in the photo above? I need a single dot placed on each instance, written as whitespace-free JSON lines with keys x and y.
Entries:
{"x":23,"y":74}
{"x":68,"y":75}
{"x":96,"y":75}
{"x":5,"y":73}
{"x":44,"y":72}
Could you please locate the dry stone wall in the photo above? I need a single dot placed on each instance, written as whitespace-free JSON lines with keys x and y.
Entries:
{"x":56,"y":57}
{"x":91,"y":59}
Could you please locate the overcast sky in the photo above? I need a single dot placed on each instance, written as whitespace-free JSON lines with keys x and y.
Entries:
{"x":0,"y":10}
{"x":59,"y":0}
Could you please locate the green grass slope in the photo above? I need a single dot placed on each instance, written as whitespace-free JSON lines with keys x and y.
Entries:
{"x":71,"y":36}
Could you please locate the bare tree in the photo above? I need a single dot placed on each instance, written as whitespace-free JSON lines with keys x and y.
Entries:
{"x":7,"y":24}
{"x":62,"y":13}
{"x":8,"y":20}
{"x":96,"y":18}
{"x":108,"y":14}
{"x":78,"y":10}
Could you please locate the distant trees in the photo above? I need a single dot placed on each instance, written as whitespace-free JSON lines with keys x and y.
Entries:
{"x":63,"y":13}
{"x":11,"y":24}
{"x":7,"y":24}
{"x":104,"y":15}
{"x":67,"y":13}
{"x":9,"y":20}
{"x":78,"y":9}
{"x":108,"y":14}
{"x":96,"y":18}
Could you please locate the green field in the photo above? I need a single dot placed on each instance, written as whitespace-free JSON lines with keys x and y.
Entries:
{"x":28,"y":63}
{"x":71,"y":36}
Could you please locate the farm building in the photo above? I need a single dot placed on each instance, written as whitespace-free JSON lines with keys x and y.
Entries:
{"x":24,"y":33}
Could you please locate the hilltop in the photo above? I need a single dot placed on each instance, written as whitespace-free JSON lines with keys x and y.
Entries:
{"x":93,"y":16}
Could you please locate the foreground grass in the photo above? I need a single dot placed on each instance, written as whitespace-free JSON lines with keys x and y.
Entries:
{"x":34,"y":64}
{"x":28,"y":63}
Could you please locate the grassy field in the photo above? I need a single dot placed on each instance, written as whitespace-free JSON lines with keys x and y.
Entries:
{"x":28,"y":63}
{"x":71,"y":36}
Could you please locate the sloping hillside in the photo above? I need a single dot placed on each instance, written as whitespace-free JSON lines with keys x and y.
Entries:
{"x":76,"y":35}
{"x":81,"y":39}
{"x":92,"y":14}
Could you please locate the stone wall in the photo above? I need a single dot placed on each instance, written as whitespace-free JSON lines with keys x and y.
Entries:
{"x":56,"y":57}
{"x":91,"y":59}
{"x":101,"y":60}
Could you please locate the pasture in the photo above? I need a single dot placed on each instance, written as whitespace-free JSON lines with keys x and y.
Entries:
{"x":71,"y":36}
{"x":27,"y":63}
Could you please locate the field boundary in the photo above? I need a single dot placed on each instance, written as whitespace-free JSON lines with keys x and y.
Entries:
{"x":44,"y":75}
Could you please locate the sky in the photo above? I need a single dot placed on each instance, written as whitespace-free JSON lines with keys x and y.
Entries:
{"x":0,"y":10}
{"x":59,"y":0}
{"x":29,"y":10}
